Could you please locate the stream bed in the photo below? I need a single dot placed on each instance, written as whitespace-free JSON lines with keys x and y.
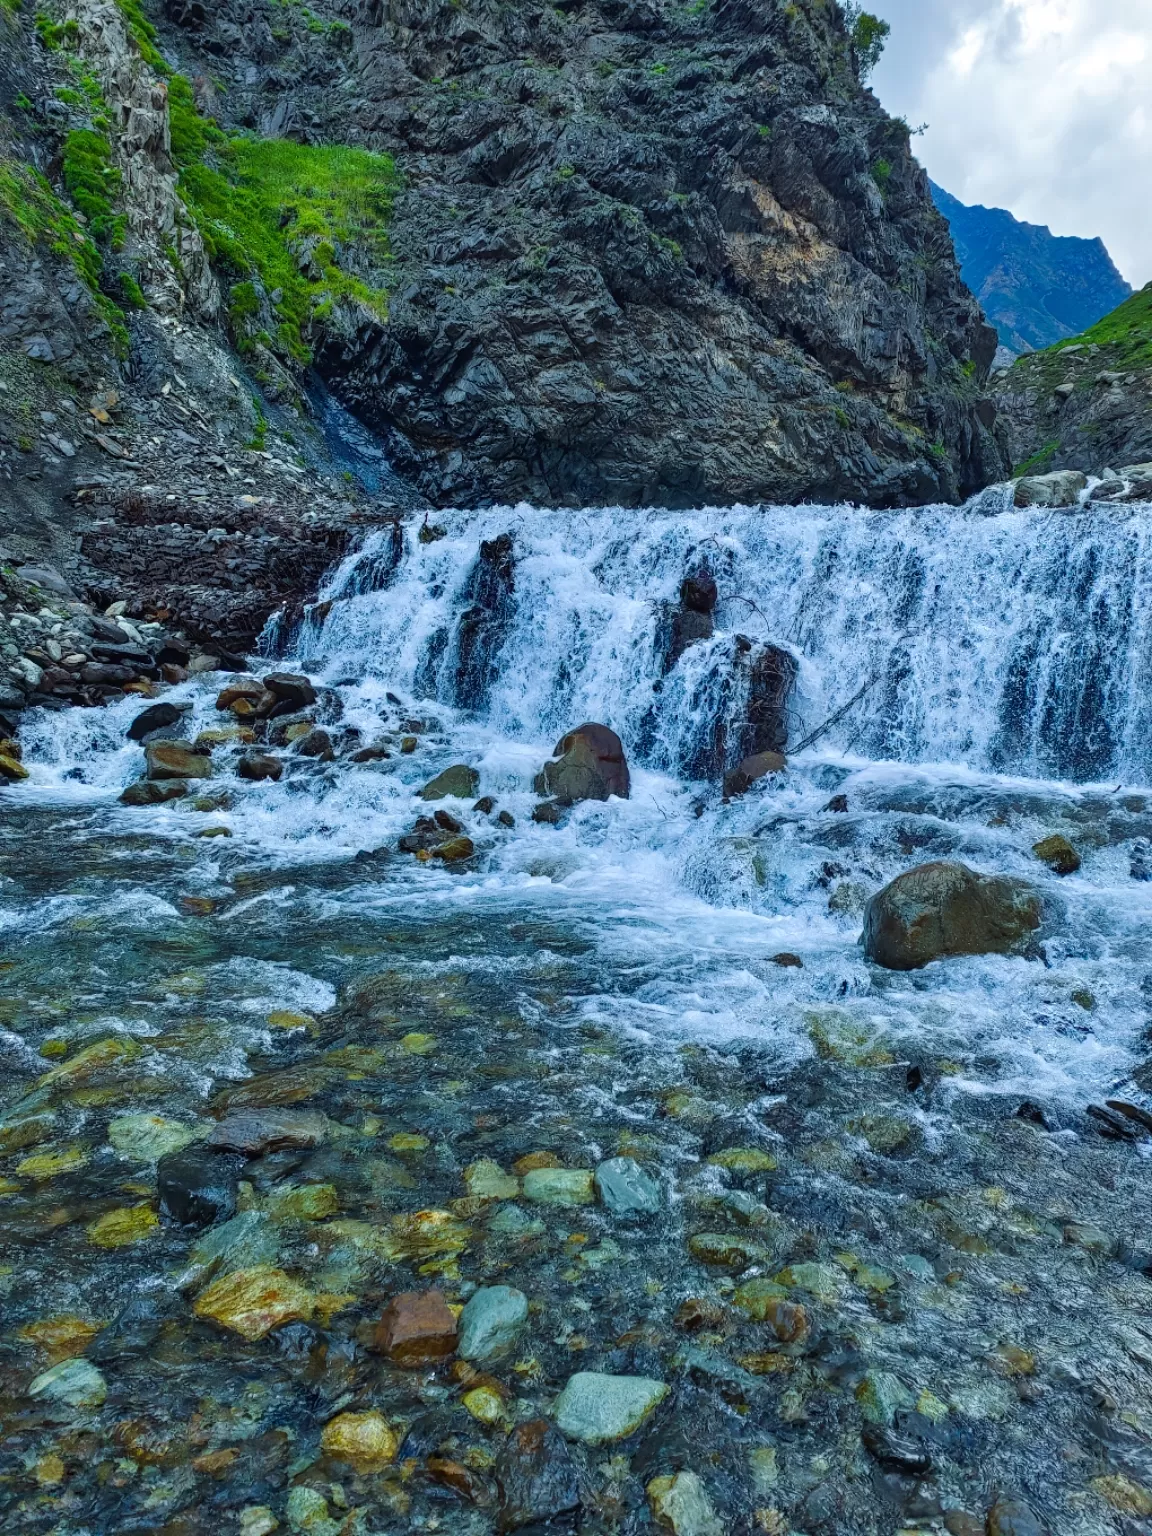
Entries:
{"x":622,"y":1093}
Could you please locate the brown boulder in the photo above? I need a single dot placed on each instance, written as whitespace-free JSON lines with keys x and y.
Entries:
{"x":255,"y":1131}
{"x":237,"y":689}
{"x":1058,"y":853}
{"x":259,"y":765}
{"x":150,"y":792}
{"x":417,"y":1329}
{"x":941,"y":910}
{"x":291,"y":688}
{"x":175,"y":760}
{"x":751,"y":770}
{"x":587,"y":764}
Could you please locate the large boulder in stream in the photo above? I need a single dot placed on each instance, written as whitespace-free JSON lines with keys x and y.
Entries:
{"x":587,"y":764}
{"x":940,"y":910}
{"x":176,"y":760}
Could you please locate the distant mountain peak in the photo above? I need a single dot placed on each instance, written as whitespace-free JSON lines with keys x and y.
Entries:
{"x":1037,"y":288}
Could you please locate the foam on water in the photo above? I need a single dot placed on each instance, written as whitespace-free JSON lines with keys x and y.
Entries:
{"x":999,"y":662}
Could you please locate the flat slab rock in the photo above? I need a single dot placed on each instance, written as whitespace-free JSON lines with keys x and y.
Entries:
{"x":596,"y":1408}
{"x":254,"y":1131}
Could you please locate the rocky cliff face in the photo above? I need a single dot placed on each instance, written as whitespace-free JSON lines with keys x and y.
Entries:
{"x":610,"y":251}
{"x":1036,"y":288}
{"x":644,"y":253}
{"x":1085,"y":404}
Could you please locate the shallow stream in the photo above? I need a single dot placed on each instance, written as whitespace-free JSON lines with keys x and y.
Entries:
{"x":673,"y":979}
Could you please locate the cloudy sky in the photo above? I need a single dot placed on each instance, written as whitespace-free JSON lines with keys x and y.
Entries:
{"x":1039,"y":106}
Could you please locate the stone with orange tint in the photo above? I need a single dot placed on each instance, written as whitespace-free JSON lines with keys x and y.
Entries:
{"x":417,"y":1329}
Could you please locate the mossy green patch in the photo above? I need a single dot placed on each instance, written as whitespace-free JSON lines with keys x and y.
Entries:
{"x":92,"y":182}
{"x":1039,"y":461}
{"x":281,"y":217}
{"x":1127,"y":330}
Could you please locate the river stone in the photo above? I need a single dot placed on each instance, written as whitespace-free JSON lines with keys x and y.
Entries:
{"x":156,"y":718}
{"x":258,"y":766}
{"x":75,"y":1382}
{"x":1012,"y":1517}
{"x":246,"y":1242}
{"x":366,"y":1441}
{"x":596,"y":1408}
{"x":729,"y":1249}
{"x":587,"y":764}
{"x":148,"y":1138}
{"x":254,"y":1132}
{"x":251,"y":1302}
{"x":459,"y":781}
{"x":197,"y":1186}
{"x":559,"y":1186}
{"x":1058,"y":853}
{"x":741,"y":778}
{"x":537,"y":1477}
{"x":151,"y":792}
{"x":486,"y":1180}
{"x":291,"y":688}
{"x":940,"y":910}
{"x":175,"y":760}
{"x":491,"y":1322}
{"x":681,"y":1504}
{"x":625,"y":1188}
{"x":1060,"y":489}
{"x":417,"y":1329}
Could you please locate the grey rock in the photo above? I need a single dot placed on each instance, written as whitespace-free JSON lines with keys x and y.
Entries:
{"x":587,"y":764}
{"x":491,"y":1322}
{"x":1058,"y":490}
{"x":76,"y":1383}
{"x":597,"y":1408}
{"x":625,"y":1188}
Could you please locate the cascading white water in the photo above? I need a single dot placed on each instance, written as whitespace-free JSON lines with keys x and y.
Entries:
{"x":1019,"y":642}
{"x":995,"y":663}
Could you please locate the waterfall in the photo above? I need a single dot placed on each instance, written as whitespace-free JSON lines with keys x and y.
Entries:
{"x":1007,"y":641}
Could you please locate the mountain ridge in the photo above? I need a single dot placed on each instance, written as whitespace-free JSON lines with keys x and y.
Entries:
{"x":1035,"y":287}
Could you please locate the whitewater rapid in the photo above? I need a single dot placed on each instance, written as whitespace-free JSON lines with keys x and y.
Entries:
{"x":998,"y":661}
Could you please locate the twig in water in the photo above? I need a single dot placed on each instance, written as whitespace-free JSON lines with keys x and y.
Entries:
{"x":658,"y":806}
{"x":834,"y":719}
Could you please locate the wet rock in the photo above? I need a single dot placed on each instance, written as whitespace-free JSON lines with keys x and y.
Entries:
{"x":291,"y":688}
{"x":124,"y":1227}
{"x":1012,"y":1517}
{"x":11,"y":768}
{"x":240,"y":689}
{"x":151,"y":792}
{"x":459,"y":781}
{"x":941,"y":910}
{"x":485,"y":805}
{"x":486,"y":1180}
{"x":254,"y":1132}
{"x":744,"y":1160}
{"x":366,"y":1441}
{"x":74,"y":1383}
{"x":771,"y":678}
{"x":461,"y":1479}
{"x":175,"y":760}
{"x":454,"y":850}
{"x":257,"y":766}
{"x":559,"y":1186}
{"x":681,"y":1504}
{"x":198,"y":1186}
{"x":1061,"y":489}
{"x":625,"y":1188}
{"x":787,"y":961}
{"x":741,"y":778}
{"x":537,"y":1477}
{"x":548,"y":813}
{"x":448,"y":823}
{"x":155,"y":719}
{"x":417,"y":1329}
{"x":303,"y":1202}
{"x":491,"y":1322}
{"x":1059,"y":855}
{"x":484,"y":622}
{"x":896,"y":1452}
{"x":728,"y":1249}
{"x":245,"y":1242}
{"x":587,"y":764}
{"x":133,"y":1330}
{"x":252,"y":1302}
{"x":689,"y":627}
{"x":698,"y":593}
{"x":317,"y":744}
{"x":596,"y":1408}
{"x":506,"y":819}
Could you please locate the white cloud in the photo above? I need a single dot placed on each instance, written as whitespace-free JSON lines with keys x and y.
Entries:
{"x":1039,"y":106}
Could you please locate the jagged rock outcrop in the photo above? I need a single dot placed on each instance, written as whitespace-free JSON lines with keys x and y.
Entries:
{"x":645,"y":253}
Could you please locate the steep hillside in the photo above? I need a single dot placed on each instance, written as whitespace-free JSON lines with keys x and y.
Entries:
{"x":1087,"y":403}
{"x":1036,"y":288}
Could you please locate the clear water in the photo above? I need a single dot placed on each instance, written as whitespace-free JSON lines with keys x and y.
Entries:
{"x":611,"y":982}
